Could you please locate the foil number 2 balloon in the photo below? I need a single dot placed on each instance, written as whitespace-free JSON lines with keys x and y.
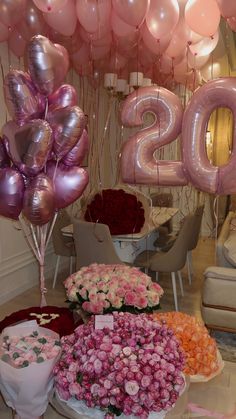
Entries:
{"x":138,"y":163}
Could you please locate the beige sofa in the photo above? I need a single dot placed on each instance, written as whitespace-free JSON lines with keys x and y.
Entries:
{"x":219,"y":298}
{"x":226,"y":242}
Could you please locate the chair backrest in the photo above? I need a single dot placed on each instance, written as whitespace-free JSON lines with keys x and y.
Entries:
{"x":162,"y":199}
{"x":60,"y":242}
{"x":175,"y":258}
{"x":197,"y":227}
{"x":93,"y":244}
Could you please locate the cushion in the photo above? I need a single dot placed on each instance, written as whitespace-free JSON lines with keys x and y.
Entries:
{"x":220,"y":273}
{"x":229,"y":247}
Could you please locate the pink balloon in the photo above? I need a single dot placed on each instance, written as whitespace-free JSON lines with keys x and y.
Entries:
{"x":48,"y":64}
{"x":116,"y":62}
{"x":39,"y":200}
{"x":22,"y":99}
{"x":179,"y":41}
{"x":190,"y":80}
{"x":4,"y":159}
{"x":205,"y":46}
{"x":100,"y":37}
{"x":4,"y":32}
{"x":227,"y":8}
{"x":32,"y":22}
{"x":154,"y":45}
{"x":67,"y":125}
{"x":11,"y":193}
{"x":63,"y":20}
{"x":195,"y":61}
{"x":77,"y":154}
{"x":11,"y":11}
{"x":93,"y":14}
{"x":72,"y":43}
{"x":182,"y":67}
{"x":99,"y":52}
{"x":203,"y":175}
{"x":119,"y":27}
{"x":232,"y":23}
{"x":138,"y":164}
{"x":65,"y":95}
{"x":69,"y":183}
{"x":17,"y":43}
{"x":28,"y":146}
{"x":48,"y":6}
{"x":162,"y":17}
{"x":132,"y":12}
{"x":202,"y":16}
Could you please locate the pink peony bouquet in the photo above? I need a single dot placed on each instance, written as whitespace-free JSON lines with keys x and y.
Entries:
{"x":134,"y":368}
{"x":100,"y":288}
{"x":28,"y":354}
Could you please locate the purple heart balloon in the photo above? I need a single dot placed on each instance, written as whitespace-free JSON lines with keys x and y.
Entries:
{"x":69,"y":183}
{"x":66,"y":95}
{"x":11,"y":193}
{"x":22,"y":99}
{"x":39,"y":202}
{"x":67,"y":125}
{"x":28,"y":146}
{"x":78,"y":152}
{"x":48,"y":64}
{"x":4,"y":159}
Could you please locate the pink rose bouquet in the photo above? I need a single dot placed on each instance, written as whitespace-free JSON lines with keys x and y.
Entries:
{"x":134,"y":369}
{"x":100,"y":288}
{"x":28,"y":354}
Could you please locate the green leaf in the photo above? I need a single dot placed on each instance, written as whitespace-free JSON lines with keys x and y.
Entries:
{"x":42,"y":340}
{"x":114,"y":410}
{"x":25,"y":364}
{"x":15,"y":355}
{"x":36,"y":350}
{"x":79,"y":377}
{"x":58,"y":342}
{"x":40,"y":359}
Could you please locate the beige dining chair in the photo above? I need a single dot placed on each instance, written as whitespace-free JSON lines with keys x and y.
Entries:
{"x":173,"y":260}
{"x":93,"y":244}
{"x":63,"y":246}
{"x":163,"y":199}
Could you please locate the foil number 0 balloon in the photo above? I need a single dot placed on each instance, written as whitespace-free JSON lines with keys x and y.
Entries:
{"x":138,"y":163}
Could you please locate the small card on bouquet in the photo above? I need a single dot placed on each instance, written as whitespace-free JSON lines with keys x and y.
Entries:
{"x":104,"y":320}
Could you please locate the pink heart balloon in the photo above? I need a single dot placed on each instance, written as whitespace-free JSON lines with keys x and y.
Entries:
{"x":28,"y":146}
{"x":67,"y":125}
{"x":39,"y":202}
{"x":11,"y":193}
{"x":78,"y":152}
{"x":69,"y":183}
{"x":48,"y":64}
{"x":4,"y":159}
{"x":65,"y":95}
{"x":21,"y":97}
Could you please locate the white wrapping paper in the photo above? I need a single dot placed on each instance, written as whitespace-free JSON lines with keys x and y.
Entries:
{"x":26,"y":390}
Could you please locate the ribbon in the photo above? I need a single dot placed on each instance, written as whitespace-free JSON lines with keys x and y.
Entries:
{"x":194,"y":408}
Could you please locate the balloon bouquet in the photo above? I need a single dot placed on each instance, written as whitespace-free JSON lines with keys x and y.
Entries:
{"x":42,"y":147}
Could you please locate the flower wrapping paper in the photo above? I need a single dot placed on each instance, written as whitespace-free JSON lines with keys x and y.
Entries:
{"x":26,"y":390}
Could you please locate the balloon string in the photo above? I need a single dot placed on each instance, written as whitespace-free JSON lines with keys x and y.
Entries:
{"x":216,"y":212}
{"x":46,"y":109}
{"x":55,"y":171}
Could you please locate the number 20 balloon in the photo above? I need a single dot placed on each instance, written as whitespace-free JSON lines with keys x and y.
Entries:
{"x":138,"y":164}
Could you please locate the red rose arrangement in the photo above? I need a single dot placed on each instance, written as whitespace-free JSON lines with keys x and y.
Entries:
{"x":121,"y":211}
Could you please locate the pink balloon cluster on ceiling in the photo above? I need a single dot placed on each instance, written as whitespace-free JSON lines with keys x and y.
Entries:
{"x":169,"y":41}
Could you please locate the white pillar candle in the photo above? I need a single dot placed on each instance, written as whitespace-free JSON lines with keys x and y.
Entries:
{"x":136,"y":79}
{"x":110,"y":80}
{"x":146,"y":82}
{"x":121,"y":85}
{"x":126,"y":92}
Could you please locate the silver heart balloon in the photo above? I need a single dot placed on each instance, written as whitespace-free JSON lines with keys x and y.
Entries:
{"x":77,"y":154}
{"x":67,"y":125}
{"x":28,"y":146}
{"x":21,"y":97}
{"x":39,"y":201}
{"x":48,"y":64}
{"x":11,"y":193}
{"x":69,"y":183}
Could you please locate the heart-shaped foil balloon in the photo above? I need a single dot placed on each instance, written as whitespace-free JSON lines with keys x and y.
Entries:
{"x":4,"y":159}
{"x":67,"y":125}
{"x":39,"y":201}
{"x":28,"y":146}
{"x":65,"y":95}
{"x":78,"y":152}
{"x":22,"y":99}
{"x":48,"y":64}
{"x":69,"y":183}
{"x":11,"y":193}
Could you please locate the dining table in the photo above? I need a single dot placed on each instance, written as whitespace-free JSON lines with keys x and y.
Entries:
{"x":128,"y":246}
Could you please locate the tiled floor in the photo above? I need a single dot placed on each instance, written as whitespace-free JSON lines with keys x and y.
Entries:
{"x":218,"y":395}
